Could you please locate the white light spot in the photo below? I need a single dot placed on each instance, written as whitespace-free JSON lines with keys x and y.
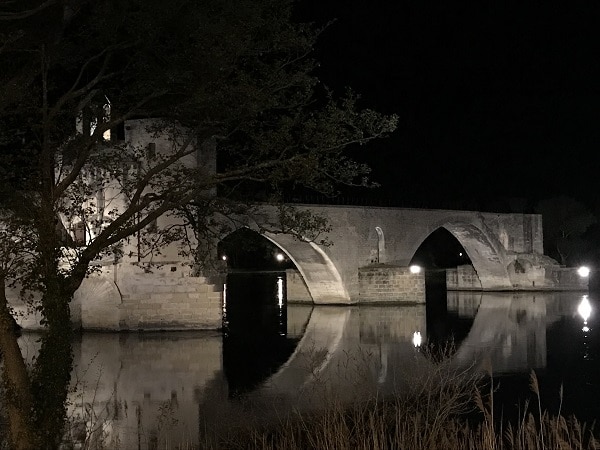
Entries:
{"x":583,"y":271}
{"x":279,"y":257}
{"x":417,"y":339}
{"x":224,"y":257}
{"x":415,"y":269}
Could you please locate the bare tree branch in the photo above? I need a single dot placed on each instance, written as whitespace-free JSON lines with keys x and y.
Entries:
{"x":6,"y":16}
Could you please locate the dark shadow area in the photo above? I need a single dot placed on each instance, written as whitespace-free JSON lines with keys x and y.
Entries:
{"x":447,"y":328}
{"x":440,"y":251}
{"x":255,"y":342}
{"x":245,"y":249}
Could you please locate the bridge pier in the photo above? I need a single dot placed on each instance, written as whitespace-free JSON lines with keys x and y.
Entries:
{"x":377,"y":283}
{"x":382,"y":283}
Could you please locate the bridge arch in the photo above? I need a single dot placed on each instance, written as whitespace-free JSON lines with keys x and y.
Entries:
{"x":321,"y":276}
{"x":484,"y":250}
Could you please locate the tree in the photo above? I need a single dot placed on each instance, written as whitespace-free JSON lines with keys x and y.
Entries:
{"x":235,"y":75}
{"x":565,"y":222}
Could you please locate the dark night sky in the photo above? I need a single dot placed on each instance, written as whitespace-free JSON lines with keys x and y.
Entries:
{"x":495,"y":100}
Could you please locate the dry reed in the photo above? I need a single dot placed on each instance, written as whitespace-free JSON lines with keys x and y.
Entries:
{"x":437,"y":414}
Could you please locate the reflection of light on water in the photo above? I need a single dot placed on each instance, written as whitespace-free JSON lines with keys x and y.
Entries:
{"x":585,"y":309}
{"x":417,"y":339}
{"x":224,"y":309}
{"x":280,"y":291}
{"x":282,"y":325}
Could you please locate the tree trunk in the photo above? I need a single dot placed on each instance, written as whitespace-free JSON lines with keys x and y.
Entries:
{"x":50,"y":381}
{"x":18,"y":394}
{"x":51,"y":374}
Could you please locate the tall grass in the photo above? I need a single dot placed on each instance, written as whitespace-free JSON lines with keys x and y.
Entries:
{"x":449,"y":413}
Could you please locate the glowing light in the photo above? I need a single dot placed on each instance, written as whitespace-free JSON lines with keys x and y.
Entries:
{"x":224,"y":257}
{"x":224,"y":297}
{"x":460,"y":254}
{"x":585,"y":329}
{"x":279,"y":257}
{"x":585,"y":309}
{"x":415,"y":269}
{"x":417,"y":339}
{"x":280,"y":291}
{"x":583,"y":271}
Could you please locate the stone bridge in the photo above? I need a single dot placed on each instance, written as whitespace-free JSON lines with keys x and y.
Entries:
{"x":367,"y":263}
{"x":373,"y":248}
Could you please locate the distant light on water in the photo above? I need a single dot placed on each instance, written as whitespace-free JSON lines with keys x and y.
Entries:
{"x":280,"y":291}
{"x":415,"y":269}
{"x":417,"y":339}
{"x":585,"y":309}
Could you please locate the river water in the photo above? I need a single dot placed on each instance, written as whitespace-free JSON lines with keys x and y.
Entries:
{"x":139,"y":389}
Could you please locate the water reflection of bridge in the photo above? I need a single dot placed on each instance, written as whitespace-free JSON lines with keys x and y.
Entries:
{"x":135,"y":380}
{"x":507,"y":335}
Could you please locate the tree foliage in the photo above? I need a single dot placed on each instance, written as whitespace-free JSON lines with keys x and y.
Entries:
{"x":236,"y":76}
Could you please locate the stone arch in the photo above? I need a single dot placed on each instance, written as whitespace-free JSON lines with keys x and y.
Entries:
{"x":322,"y":278}
{"x":96,"y":303}
{"x":320,"y":274}
{"x":484,"y":250}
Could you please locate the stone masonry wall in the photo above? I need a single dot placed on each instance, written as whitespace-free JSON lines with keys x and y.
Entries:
{"x":297,"y":292}
{"x":122,"y":297}
{"x":566,"y":279}
{"x":390,"y":284}
{"x":125,"y":297}
{"x":462,"y":277}
{"x":165,"y":301}
{"x":180,"y":303}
